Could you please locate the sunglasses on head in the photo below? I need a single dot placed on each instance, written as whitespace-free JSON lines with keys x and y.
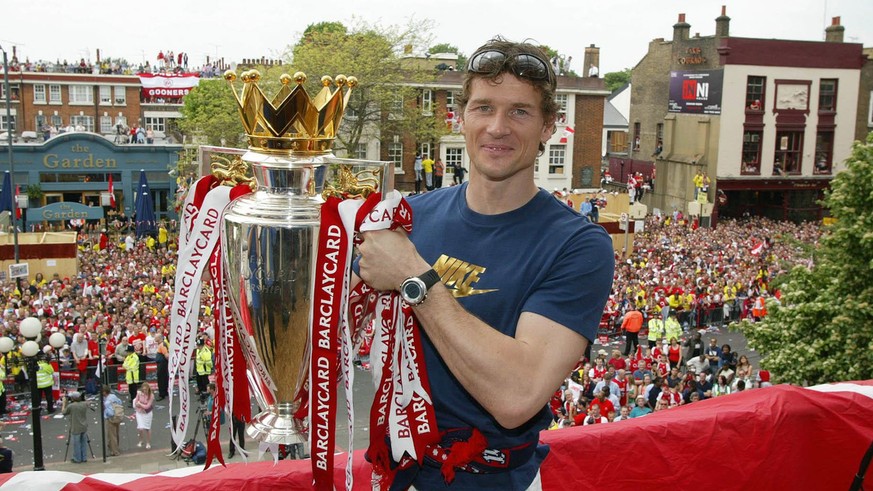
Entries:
{"x":522,"y":65}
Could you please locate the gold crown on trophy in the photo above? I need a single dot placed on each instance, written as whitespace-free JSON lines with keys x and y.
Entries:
{"x":291,"y":121}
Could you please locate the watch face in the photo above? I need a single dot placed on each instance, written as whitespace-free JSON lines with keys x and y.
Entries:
{"x":412,"y":291}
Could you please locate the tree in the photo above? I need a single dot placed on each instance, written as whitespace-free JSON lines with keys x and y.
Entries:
{"x":450,"y":48}
{"x":822,"y":331}
{"x":210,"y":111}
{"x":559,"y":62}
{"x":615,"y":80}
{"x":375,"y":55}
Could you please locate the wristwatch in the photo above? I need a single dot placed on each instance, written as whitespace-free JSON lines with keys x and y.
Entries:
{"x":414,"y":289}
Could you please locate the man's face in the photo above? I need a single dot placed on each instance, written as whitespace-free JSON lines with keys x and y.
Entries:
{"x":504,"y":126}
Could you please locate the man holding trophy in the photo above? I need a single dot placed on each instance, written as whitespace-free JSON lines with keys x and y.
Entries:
{"x":507,"y":283}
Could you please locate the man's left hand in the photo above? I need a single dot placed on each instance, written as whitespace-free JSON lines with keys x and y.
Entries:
{"x":387,"y":258}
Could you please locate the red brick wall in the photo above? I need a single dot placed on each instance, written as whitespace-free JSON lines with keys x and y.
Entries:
{"x":588,"y":138}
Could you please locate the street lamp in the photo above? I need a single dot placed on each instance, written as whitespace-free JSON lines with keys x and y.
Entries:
{"x":30,"y":328}
{"x":9,"y":146}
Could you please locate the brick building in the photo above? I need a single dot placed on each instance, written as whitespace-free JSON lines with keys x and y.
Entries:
{"x":769,"y":121}
{"x":95,"y":102}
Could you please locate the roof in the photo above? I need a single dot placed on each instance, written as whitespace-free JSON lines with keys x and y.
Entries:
{"x":611,"y":117}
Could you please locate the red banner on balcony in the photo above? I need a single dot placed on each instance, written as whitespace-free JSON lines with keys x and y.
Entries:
{"x":168,"y":85}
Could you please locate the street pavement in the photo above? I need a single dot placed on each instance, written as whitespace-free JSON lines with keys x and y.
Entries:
{"x":17,"y":433}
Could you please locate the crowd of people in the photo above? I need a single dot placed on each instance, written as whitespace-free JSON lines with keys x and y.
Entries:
{"x":675,"y":285}
{"x":677,"y":279}
{"x":118,"y":66}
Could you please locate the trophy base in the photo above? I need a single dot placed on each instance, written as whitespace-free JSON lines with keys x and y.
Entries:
{"x":274,"y":426}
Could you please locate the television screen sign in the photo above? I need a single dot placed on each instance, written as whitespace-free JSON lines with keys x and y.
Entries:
{"x":695,"y":92}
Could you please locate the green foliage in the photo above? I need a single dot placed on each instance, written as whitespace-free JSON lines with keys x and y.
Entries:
{"x":563,"y":61}
{"x":211,"y":112}
{"x":823,"y":330}
{"x":450,"y":48}
{"x":387,"y":80}
{"x":34,"y":192}
{"x":615,"y":80}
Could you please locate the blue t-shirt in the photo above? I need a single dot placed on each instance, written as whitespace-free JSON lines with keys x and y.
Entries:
{"x":542,"y":258}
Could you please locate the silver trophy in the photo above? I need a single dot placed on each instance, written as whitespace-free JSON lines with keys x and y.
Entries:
{"x":269,"y":237}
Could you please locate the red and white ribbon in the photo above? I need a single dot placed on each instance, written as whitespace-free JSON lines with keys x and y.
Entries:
{"x":402,"y":415}
{"x":196,"y":249}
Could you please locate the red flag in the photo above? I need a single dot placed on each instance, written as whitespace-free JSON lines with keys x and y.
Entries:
{"x":757,"y":248}
{"x":568,"y":131}
{"x":111,"y":193}
{"x":17,"y":209}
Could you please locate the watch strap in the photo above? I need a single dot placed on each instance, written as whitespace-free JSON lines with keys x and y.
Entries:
{"x":430,"y":278}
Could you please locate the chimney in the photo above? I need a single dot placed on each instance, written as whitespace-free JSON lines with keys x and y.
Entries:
{"x":722,"y":24}
{"x":98,"y":56}
{"x":591,"y":59}
{"x":681,"y":29}
{"x":834,"y":32}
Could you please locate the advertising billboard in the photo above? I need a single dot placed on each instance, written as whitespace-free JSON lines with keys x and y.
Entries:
{"x":695,"y":92}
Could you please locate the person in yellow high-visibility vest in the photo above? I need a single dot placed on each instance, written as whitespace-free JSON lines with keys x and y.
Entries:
{"x":672,"y":328}
{"x":203,"y":365}
{"x":656,"y":331}
{"x":2,"y":389}
{"x":131,"y":368}
{"x":45,"y":378}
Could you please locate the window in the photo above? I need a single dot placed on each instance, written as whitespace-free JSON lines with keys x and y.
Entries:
{"x":54,"y":94}
{"x":751,"y":153}
{"x":105,"y":95}
{"x":450,"y":99}
{"x":870,"y":111}
{"x":396,"y":109}
{"x":824,"y":152}
{"x":121,"y":120}
{"x":427,"y":102}
{"x":561,"y":99}
{"x":120,"y":95}
{"x":789,"y":146}
{"x":156,"y":124}
{"x":85,"y":122}
{"x":39,"y":94}
{"x":106,"y":125}
{"x":755,"y":93}
{"x":556,"y":158}
{"x":81,"y":94}
{"x":395,"y":154}
{"x":827,"y":95}
{"x":617,"y":141}
{"x":659,"y":135}
{"x":13,"y":89}
{"x":636,"y":137}
{"x":7,"y":124}
{"x":359,"y":152}
{"x":57,"y":121}
{"x":426,"y":150}
{"x":454,"y":157}
{"x":39,"y":122}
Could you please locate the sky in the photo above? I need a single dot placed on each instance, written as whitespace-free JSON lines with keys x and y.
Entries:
{"x":62,"y":29}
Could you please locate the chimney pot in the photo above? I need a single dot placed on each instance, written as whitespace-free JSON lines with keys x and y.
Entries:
{"x":724,"y":10}
{"x":681,"y":17}
{"x":835,"y":21}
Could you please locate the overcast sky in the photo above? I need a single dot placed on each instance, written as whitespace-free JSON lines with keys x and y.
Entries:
{"x":62,"y":29}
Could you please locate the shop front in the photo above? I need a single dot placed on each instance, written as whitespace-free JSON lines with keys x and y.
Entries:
{"x":76,"y":168}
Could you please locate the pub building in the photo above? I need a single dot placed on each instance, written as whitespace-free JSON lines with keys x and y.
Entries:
{"x":768,"y":121}
{"x":73,"y":170}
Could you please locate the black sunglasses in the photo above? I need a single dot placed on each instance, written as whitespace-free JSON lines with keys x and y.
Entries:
{"x":523,"y":65}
